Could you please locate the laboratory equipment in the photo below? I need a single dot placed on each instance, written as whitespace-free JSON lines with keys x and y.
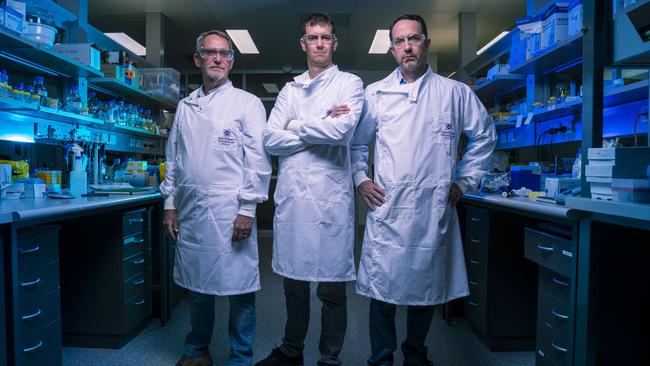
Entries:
{"x":78,"y":177}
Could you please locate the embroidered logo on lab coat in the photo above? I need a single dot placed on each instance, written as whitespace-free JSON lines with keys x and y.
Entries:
{"x":227,"y":138}
{"x":448,"y":132}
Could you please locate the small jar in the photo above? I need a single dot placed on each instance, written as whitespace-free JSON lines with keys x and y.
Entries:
{"x":35,"y":99}
{"x":53,"y":103}
{"x":84,"y":111}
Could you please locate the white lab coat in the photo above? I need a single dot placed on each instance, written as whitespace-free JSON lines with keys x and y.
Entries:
{"x":216,"y":168}
{"x":412,"y":251}
{"x":314,"y":198}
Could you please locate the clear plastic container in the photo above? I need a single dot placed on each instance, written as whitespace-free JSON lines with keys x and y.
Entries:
{"x":73,"y":100}
{"x":39,"y":88}
{"x":164,"y":82}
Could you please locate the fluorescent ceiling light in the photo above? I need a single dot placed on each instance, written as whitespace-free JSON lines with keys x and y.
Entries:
{"x":128,"y":43}
{"x":243,"y":41}
{"x":452,"y":74}
{"x":381,"y":42}
{"x":271,"y":88}
{"x":495,"y":40}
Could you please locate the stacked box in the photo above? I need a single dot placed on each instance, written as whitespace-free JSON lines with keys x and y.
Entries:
{"x":555,"y":26}
{"x":607,"y":164}
{"x":575,"y":18}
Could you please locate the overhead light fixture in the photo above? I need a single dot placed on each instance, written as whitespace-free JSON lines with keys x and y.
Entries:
{"x":381,"y":42}
{"x":450,"y":75}
{"x":495,"y":40}
{"x":271,"y":88}
{"x":243,"y":41}
{"x":128,"y":43}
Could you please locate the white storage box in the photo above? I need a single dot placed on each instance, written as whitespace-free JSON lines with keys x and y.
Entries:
{"x":162,"y":82}
{"x":498,"y":69}
{"x":620,"y":155}
{"x":631,"y":190}
{"x":83,"y":53}
{"x":13,"y":20}
{"x":615,"y":171}
{"x":555,"y":26}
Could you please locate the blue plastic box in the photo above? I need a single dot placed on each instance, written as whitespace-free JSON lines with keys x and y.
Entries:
{"x":524,"y":176}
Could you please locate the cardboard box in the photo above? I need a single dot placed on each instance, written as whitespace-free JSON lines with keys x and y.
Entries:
{"x":113,"y":71}
{"x":575,"y":18}
{"x":555,"y":26}
{"x":498,"y":69}
{"x":83,"y":53}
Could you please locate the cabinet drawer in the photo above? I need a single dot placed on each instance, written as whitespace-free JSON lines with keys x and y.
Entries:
{"x":37,"y":314}
{"x":3,"y":357}
{"x":476,"y":222}
{"x":550,"y":251}
{"x":133,"y":223}
{"x":134,"y":286}
{"x":476,"y":313}
{"x":556,"y":285}
{"x":135,"y":311}
{"x":132,"y":245}
{"x":133,"y":265}
{"x":553,"y":346}
{"x":555,"y":314}
{"x":37,"y":250}
{"x":38,"y":282}
{"x":42,"y":348}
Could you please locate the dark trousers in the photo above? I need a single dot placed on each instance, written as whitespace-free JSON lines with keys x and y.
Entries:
{"x":383,"y":338}
{"x":333,"y":319}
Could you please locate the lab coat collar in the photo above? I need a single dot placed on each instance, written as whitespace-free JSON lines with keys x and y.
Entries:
{"x":393,"y":84}
{"x":198,"y":93}
{"x":302,"y":80}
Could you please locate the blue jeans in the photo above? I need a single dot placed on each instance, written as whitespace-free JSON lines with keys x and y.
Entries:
{"x":241,"y":327}
{"x":383,"y":339}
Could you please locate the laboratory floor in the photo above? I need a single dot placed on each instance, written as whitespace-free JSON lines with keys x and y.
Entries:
{"x":448,"y":345}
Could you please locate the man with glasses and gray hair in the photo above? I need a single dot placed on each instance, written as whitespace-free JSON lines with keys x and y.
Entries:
{"x":412,"y":251}
{"x":310,"y":129}
{"x":216,"y":172}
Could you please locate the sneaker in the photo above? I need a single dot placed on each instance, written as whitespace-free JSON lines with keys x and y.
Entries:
{"x":277,"y":358}
{"x":204,"y":360}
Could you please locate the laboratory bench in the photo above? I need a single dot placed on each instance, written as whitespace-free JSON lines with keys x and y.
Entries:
{"x":569,"y":282}
{"x":88,"y":272}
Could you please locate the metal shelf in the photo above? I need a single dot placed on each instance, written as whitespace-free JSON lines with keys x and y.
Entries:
{"x":501,"y":84}
{"x":498,"y":49}
{"x":628,"y":46}
{"x":553,"y":59}
{"x":25,"y":56}
{"x":117,"y":88}
{"x":613,"y":97}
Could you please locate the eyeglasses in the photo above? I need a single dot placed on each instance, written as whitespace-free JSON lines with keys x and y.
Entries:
{"x":209,"y":54}
{"x":412,"y":39}
{"x":325,"y":38}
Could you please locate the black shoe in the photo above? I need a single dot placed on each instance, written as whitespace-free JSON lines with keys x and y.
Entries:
{"x":277,"y":358}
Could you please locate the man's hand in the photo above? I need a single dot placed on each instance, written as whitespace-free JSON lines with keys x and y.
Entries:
{"x":242,"y":227}
{"x":170,"y":221}
{"x":372,"y":194}
{"x":338,"y":110}
{"x":455,"y":194}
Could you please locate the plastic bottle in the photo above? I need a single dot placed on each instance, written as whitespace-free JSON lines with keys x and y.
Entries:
{"x":73,"y":100}
{"x":576,"y":170}
{"x":93,"y":104}
{"x":18,"y":91}
{"x":39,"y":88}
{"x":121,"y":113}
{"x":78,"y":176}
{"x":117,"y":174}
{"x":102,"y":169}
{"x":5,"y":89}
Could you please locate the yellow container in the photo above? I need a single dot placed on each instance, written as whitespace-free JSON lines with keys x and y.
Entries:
{"x":49,"y":176}
{"x":161,"y":170}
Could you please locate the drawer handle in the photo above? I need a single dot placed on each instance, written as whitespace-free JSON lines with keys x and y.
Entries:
{"x":36,"y":248}
{"x":561,"y":283}
{"x":32,"y":316}
{"x":138,"y":282}
{"x":473,"y":283}
{"x":139,"y":302}
{"x":473,"y":261}
{"x":138,"y":261}
{"x":545,"y":249}
{"x":474,"y":240}
{"x":34,"y":348}
{"x":472,"y":303}
{"x":558,"y":315}
{"x":32,"y":283}
{"x":476,"y":219}
{"x":558,"y":348}
{"x":135,"y":221}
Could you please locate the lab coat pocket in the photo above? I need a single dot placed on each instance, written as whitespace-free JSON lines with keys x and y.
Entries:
{"x":325,"y":183}
{"x":401,"y":202}
{"x":226,"y":136}
{"x":443,"y":130}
